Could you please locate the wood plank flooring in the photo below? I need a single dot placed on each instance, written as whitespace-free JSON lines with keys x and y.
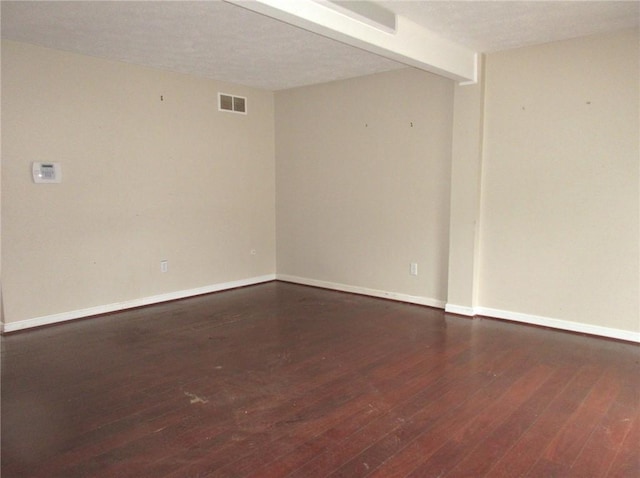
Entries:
{"x":282,"y":380}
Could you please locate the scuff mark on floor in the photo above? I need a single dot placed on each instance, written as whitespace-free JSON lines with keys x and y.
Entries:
{"x":193,"y":398}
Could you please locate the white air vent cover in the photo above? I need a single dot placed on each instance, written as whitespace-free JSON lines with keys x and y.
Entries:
{"x":233,"y":104}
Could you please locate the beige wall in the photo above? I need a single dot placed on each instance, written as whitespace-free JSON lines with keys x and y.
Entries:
{"x":361,"y":193}
{"x":143,"y":180}
{"x":466,"y":169}
{"x":560,"y":191}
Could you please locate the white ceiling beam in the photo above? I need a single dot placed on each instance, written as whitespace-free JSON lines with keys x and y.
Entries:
{"x":410,"y":44}
{"x":365,"y":11}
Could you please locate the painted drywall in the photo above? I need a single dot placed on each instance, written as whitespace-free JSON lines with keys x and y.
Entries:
{"x":362,"y":182}
{"x":466,"y":168}
{"x":151,"y":171}
{"x":560,"y":191}
{"x":365,"y":170}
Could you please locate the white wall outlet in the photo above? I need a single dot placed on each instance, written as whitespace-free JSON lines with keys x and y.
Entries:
{"x":164,"y":266}
{"x":414,"y":269}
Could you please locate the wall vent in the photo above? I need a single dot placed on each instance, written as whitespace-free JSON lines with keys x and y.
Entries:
{"x":233,"y":104}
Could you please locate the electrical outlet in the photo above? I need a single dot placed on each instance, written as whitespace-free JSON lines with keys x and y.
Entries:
{"x":414,"y":269}
{"x":164,"y":266}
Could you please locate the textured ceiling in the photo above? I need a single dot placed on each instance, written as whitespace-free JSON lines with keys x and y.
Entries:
{"x":489,"y":26}
{"x":221,"y":41}
{"x":210,"y":39}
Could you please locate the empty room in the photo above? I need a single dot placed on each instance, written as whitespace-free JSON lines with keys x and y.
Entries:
{"x":317,"y":238}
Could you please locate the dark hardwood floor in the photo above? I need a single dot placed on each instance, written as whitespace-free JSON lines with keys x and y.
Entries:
{"x":285,"y":380}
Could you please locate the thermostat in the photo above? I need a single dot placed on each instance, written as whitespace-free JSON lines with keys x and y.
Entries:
{"x":46,"y":172}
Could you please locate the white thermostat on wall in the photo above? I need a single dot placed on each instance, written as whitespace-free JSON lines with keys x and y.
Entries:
{"x":46,"y":172}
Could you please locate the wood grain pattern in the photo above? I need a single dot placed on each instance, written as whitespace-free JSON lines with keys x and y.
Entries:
{"x":282,"y":380}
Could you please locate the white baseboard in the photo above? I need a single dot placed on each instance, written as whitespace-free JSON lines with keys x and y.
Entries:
{"x":412,"y":299}
{"x":129,"y":304}
{"x":560,"y":324}
{"x":452,"y":308}
{"x":567,"y":325}
{"x":460,"y":310}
